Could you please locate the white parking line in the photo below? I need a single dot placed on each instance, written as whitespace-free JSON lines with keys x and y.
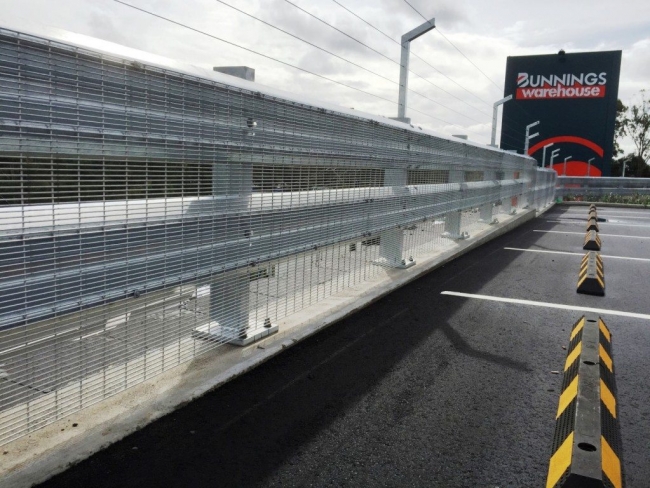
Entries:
{"x":582,"y":233}
{"x":574,"y":253}
{"x":625,"y":217}
{"x":606,"y":213}
{"x":560,"y":306}
{"x":606,"y":223}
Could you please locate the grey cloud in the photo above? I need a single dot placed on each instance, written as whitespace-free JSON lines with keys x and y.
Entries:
{"x":102,"y":25}
{"x":299,"y":23}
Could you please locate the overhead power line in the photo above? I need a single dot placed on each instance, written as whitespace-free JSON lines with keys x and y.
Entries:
{"x":344,"y":59}
{"x":198,"y":31}
{"x":398,"y":64}
{"x":306,"y":41}
{"x":421,"y":59}
{"x":251,"y":50}
{"x":339,"y":30}
{"x":472,"y":62}
{"x":456,"y":48}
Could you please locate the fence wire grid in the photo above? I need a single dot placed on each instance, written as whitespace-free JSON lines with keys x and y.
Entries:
{"x":148,"y":215}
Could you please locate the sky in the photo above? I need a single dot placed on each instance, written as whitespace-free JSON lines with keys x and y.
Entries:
{"x":454,"y":95}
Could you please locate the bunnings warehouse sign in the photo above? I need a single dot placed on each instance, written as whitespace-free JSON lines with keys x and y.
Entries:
{"x":573,"y":96}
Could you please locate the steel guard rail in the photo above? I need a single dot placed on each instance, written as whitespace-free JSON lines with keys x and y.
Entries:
{"x":169,"y":252}
{"x":575,"y":185}
{"x":147,"y":205}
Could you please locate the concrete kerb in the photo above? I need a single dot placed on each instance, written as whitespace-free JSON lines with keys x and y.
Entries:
{"x":44,"y":453}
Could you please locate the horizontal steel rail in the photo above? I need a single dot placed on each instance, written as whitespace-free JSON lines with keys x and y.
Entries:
{"x":173,"y":251}
{"x":574,"y":185}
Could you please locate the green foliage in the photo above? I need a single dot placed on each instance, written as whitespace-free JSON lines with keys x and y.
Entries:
{"x":633,"y":121}
{"x":619,"y":126}
{"x":638,"y":127}
{"x":636,"y":167}
{"x":635,"y":199}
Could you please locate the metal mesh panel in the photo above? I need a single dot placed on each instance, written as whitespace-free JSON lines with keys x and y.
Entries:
{"x":148,"y":215}
{"x":594,"y":187}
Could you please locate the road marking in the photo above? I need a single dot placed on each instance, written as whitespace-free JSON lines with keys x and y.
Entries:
{"x":626,"y":217}
{"x":606,"y":223}
{"x":558,"y":306}
{"x":606,"y":214}
{"x":583,"y":233}
{"x":574,"y":254}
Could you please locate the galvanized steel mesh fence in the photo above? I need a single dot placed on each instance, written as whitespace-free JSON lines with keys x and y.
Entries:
{"x":148,"y":215}
{"x":597,"y":187}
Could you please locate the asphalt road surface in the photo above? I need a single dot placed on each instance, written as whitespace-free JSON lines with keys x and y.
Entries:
{"x":421,"y":388}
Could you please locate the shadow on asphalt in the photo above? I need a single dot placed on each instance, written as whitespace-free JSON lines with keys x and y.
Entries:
{"x":240,"y":433}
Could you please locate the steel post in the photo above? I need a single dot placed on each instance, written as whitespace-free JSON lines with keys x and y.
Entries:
{"x":453,"y":219}
{"x":391,"y":241}
{"x":404,"y":65}
{"x":495,"y":111}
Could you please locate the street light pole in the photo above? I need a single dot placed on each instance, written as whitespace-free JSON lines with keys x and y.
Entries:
{"x":495,"y":111}
{"x":565,"y":160}
{"x":589,"y":166}
{"x":625,"y":161}
{"x":544,"y":153}
{"x":554,"y":153}
{"x":529,"y":137}
{"x":404,"y":65}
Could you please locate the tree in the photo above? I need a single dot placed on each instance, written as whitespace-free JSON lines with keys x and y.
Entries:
{"x":619,"y":126}
{"x":637,"y":126}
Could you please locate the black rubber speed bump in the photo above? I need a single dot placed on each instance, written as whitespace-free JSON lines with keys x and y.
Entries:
{"x":591,"y":279}
{"x":592,"y":224}
{"x":587,"y":442}
{"x":592,"y":207}
{"x":592,"y":241}
{"x":593,"y":214}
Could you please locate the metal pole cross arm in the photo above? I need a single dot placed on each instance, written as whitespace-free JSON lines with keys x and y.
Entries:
{"x":404,"y":64}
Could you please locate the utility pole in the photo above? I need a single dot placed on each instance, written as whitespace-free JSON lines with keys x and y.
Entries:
{"x":404,"y":65}
{"x":529,"y":137}
{"x":495,"y":111}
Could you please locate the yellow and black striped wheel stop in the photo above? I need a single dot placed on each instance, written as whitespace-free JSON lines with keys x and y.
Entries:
{"x":591,"y":278}
{"x":592,"y":224}
{"x":587,"y":444}
{"x":592,"y":241}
